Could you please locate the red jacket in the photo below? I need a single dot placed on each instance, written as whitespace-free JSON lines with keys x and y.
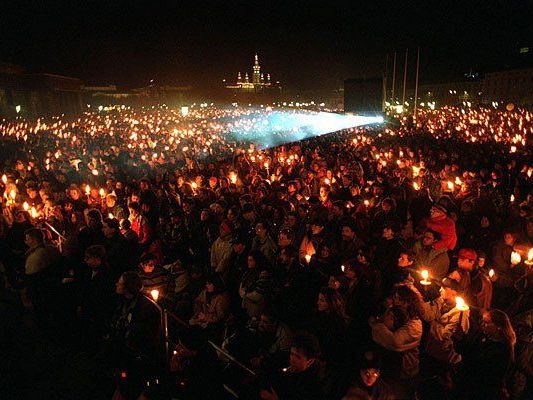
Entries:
{"x":140,"y":226}
{"x":446,"y":227}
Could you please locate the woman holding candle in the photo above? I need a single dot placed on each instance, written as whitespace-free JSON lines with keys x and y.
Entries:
{"x":449,"y":321}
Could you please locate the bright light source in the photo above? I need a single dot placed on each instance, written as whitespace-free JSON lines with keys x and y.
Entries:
{"x":18,"y":108}
{"x":184,"y":111}
{"x":155,"y":294}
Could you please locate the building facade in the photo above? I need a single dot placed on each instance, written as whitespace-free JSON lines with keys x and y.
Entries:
{"x":513,"y":86}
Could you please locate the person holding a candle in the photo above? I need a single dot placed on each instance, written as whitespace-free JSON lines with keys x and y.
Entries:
{"x":506,"y":271}
{"x":466,"y":263}
{"x":436,"y":261}
{"x":479,"y":292}
{"x":448,"y":323}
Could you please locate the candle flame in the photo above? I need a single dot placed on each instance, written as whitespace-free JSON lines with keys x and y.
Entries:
{"x":155,"y":294}
{"x":451,"y":186}
{"x":460,"y":304}
{"x":515,"y":258}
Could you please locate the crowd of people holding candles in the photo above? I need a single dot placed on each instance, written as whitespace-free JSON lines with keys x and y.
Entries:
{"x":386,"y":262}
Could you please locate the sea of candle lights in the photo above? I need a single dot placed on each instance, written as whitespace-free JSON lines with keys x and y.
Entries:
{"x":157,"y":138}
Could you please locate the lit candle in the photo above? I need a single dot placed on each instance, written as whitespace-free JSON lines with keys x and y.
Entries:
{"x":94,"y":172}
{"x":515,"y":258}
{"x":425,"y":278}
{"x":233,"y":177}
{"x":34,"y":213}
{"x":451,"y":186}
{"x":529,"y":260}
{"x":308,"y":258}
{"x":512,"y":198}
{"x":492,"y":274}
{"x":87,"y":190}
{"x":26,"y":206}
{"x":194,"y":185}
{"x":461,"y":305}
{"x":155,"y":294}
{"x":416,"y":186}
{"x":102,"y":193}
{"x":111,"y":216}
{"x":366,"y":203}
{"x":4,"y":178}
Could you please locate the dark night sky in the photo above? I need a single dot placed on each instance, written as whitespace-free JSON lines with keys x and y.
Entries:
{"x":304,"y":44}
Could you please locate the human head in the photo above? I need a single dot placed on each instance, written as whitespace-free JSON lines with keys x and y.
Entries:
{"x":33,"y":237}
{"x":329,"y":301}
{"x":406,"y":259}
{"x":148,"y":263}
{"x":348,"y":232}
{"x":305,"y":351}
{"x":509,"y":237}
{"x":225,"y":229}
{"x":134,"y":209}
{"x":407,"y":299}
{"x":261,"y":230}
{"x":110,"y":227}
{"x":497,"y":326}
{"x":430,"y":237}
{"x":110,"y":200}
{"x":369,"y":369}
{"x":129,"y":284}
{"x":467,"y":259}
{"x":95,"y":256}
{"x":317,"y":226}
{"x":285,"y":238}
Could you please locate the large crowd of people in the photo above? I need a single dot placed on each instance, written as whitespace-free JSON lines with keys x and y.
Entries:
{"x":387,"y":262}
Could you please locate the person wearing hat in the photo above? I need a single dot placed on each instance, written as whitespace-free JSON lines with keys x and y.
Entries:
{"x":479,"y":293}
{"x":466,"y":263}
{"x":440,"y":222}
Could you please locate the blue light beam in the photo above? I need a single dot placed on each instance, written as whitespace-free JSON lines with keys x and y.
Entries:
{"x":279,"y":127}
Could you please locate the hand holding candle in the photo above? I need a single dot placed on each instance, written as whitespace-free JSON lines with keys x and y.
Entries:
{"x":425,"y":278}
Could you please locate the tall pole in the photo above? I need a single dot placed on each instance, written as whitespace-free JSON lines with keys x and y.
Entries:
{"x":393,"y":78}
{"x":416,"y":79}
{"x":384,"y":89}
{"x":404,"y":76}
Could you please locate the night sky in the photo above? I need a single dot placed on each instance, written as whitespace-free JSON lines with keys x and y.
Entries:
{"x":305,"y":45}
